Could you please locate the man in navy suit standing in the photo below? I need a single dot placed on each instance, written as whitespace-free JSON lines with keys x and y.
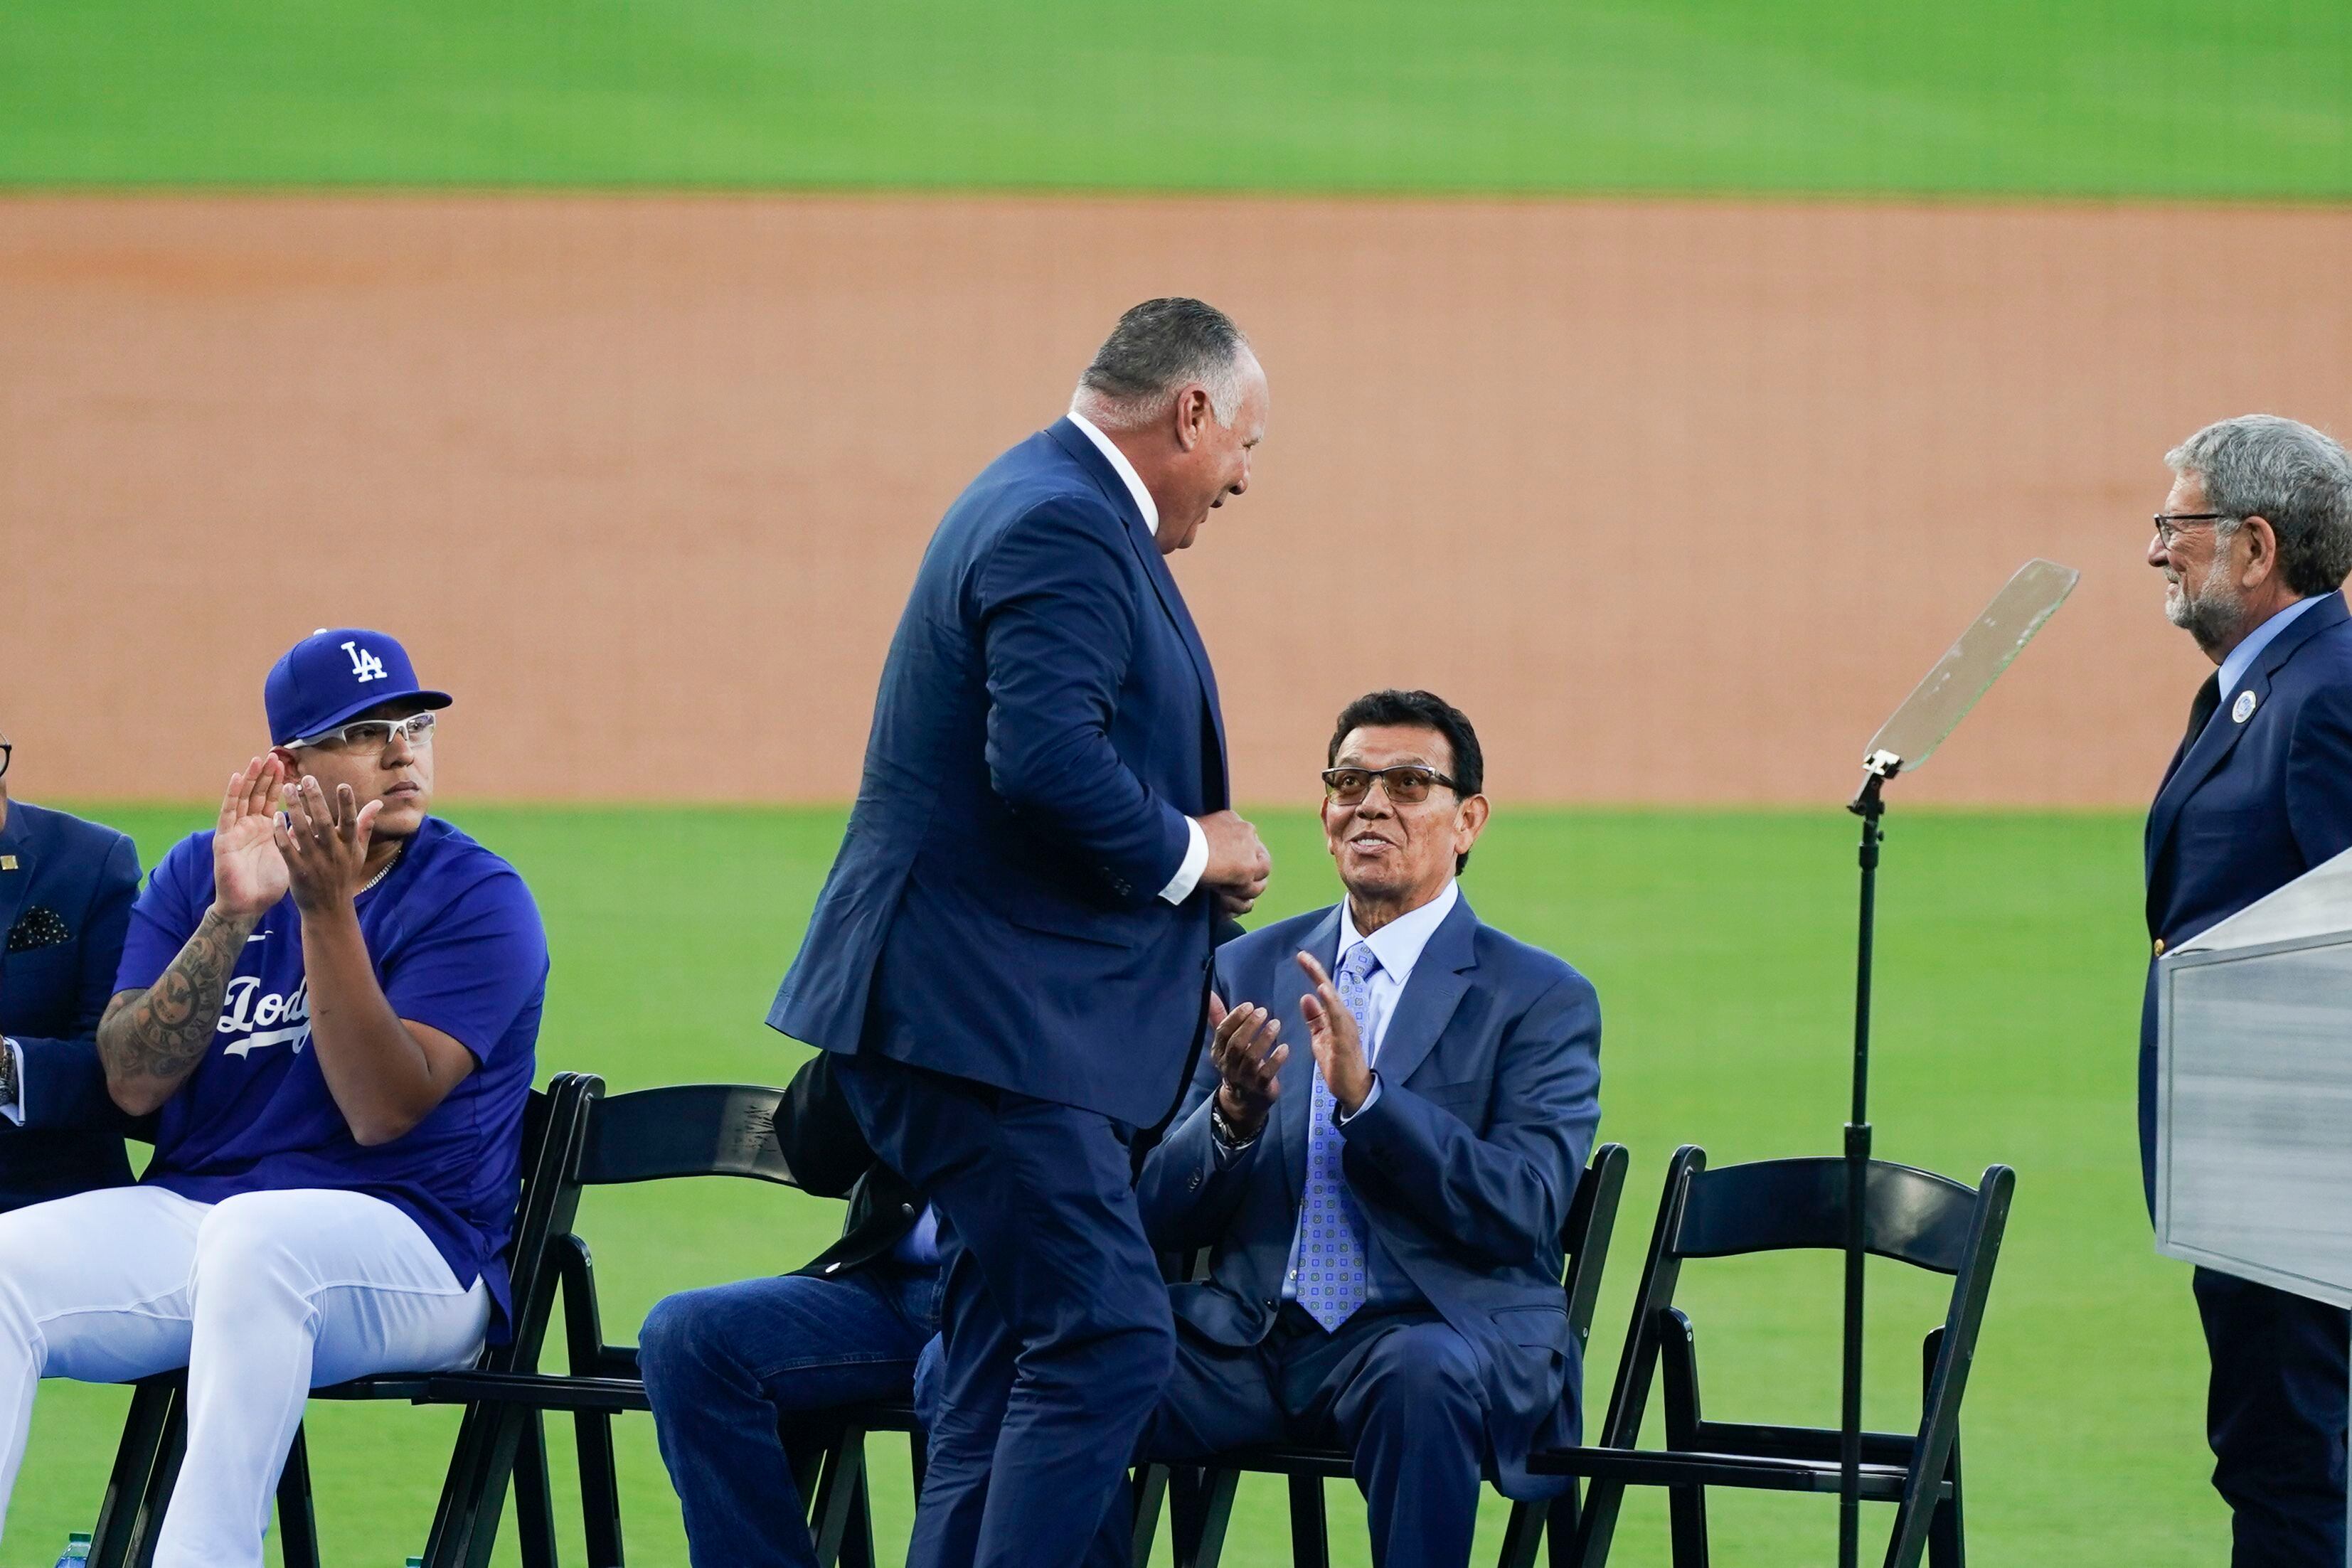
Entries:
{"x":2254,"y":542}
{"x":66,"y":889}
{"x":1012,"y":951}
{"x":1386,"y":1207}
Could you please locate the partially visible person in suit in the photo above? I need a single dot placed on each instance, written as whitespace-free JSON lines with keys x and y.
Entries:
{"x":727,"y":1368}
{"x":66,"y":890}
{"x":2254,"y":542}
{"x":1385,"y":1200}
{"x":1011,"y":954}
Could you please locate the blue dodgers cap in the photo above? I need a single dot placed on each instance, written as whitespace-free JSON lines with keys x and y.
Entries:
{"x":329,"y":676}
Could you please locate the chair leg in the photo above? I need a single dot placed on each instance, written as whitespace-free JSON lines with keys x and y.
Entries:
{"x":1686,"y":1513}
{"x":1150,"y":1500}
{"x":1310,"y":1527}
{"x":1596,"y":1527}
{"x":1523,"y":1535}
{"x":600,"y":1488}
{"x":857,"y":1541}
{"x":166,"y":1476}
{"x":1563,"y":1522}
{"x":1215,"y":1502}
{"x":919,"y":1456}
{"x":1946,"y":1539}
{"x":837,"y":1489}
{"x":297,"y":1523}
{"x":135,"y":1459}
{"x":535,"y":1507}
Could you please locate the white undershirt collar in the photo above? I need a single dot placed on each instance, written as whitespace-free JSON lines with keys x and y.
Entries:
{"x":1123,"y":468}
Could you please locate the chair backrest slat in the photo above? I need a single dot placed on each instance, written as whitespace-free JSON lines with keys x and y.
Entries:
{"x":1913,"y":1216}
{"x":685,"y":1130}
{"x":1584,"y":1238}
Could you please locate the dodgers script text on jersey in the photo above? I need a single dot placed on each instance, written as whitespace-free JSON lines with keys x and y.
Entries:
{"x":456,"y":944}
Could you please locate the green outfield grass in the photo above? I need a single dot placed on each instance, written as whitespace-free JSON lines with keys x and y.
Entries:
{"x":2156,"y":98}
{"x":1721,"y":944}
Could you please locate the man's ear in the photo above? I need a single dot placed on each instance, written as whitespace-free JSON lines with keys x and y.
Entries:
{"x":1192,"y":415}
{"x":1469,"y":823}
{"x":2261,"y":551}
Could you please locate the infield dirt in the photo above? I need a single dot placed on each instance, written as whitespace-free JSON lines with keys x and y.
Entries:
{"x":1677,"y":499}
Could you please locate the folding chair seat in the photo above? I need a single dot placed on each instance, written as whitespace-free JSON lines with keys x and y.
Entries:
{"x":1911,"y":1216}
{"x":1199,"y":1499}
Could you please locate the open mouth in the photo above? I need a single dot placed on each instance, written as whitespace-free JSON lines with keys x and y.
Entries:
{"x":1370,"y":842}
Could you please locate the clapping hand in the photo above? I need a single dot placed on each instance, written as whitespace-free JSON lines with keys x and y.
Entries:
{"x":1338,"y":1048}
{"x":325,"y":844}
{"x":248,"y":872}
{"x":1249,"y":1056}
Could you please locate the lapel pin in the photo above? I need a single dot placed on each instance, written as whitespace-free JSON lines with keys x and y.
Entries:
{"x":8,"y":863}
{"x":2244,"y":709}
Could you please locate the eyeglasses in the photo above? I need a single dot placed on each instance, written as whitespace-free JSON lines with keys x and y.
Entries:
{"x":6,"y":751}
{"x":1407,"y":784}
{"x":375,"y":735}
{"x":2167,"y":531}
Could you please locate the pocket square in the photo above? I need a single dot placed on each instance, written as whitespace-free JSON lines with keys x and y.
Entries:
{"x":40,"y":927}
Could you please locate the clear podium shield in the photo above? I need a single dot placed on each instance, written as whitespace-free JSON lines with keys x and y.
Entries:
{"x":1970,"y":667}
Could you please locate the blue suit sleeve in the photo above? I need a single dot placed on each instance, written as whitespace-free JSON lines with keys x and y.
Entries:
{"x":1059,"y":609}
{"x":1186,"y":1194}
{"x":1501,"y":1198}
{"x":2319,"y":775}
{"x":65,"y":1084}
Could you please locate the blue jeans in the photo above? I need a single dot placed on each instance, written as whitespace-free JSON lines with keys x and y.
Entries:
{"x":727,"y":1368}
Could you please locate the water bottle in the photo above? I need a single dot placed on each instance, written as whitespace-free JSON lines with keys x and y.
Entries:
{"x":76,"y":1552}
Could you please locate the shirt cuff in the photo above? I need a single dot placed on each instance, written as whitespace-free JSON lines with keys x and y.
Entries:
{"x":1341,"y":1118}
{"x":15,"y":1109}
{"x":1196,"y":861}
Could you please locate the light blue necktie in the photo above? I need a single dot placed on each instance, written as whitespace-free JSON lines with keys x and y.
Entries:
{"x":1333,"y":1280}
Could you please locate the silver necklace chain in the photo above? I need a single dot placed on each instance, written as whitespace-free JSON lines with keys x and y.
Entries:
{"x":386,"y":871}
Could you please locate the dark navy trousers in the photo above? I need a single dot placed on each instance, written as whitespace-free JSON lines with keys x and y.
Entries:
{"x":1399,"y":1391}
{"x":2274,"y":1413}
{"x":1057,"y":1338}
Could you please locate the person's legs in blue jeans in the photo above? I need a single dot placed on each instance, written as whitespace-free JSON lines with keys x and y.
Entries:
{"x":725,"y":1367}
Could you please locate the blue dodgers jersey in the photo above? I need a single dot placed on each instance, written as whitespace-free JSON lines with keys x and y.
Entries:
{"x":457,"y":945}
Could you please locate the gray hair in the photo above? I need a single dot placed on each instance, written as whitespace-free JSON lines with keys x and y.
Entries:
{"x":2261,"y":466}
{"x":1157,"y":349}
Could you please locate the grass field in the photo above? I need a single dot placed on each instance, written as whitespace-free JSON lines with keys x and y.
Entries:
{"x":1721,"y":944}
{"x":2156,"y":98}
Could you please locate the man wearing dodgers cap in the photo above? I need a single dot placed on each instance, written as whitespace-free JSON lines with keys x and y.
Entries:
{"x":331,"y":1002}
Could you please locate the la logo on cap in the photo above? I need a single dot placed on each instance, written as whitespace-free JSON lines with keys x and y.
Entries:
{"x":365,"y":666}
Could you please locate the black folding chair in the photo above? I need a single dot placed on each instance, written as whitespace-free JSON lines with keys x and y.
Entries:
{"x":1913,"y":1217}
{"x":660,"y":1134}
{"x":1201,"y":1507}
{"x":488,"y":1449}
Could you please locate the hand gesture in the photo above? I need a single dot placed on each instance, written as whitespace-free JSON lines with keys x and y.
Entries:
{"x":1332,"y":1030}
{"x":1248,"y":1058}
{"x":325,"y":845}
{"x":1238,"y":864}
{"x":248,"y":874}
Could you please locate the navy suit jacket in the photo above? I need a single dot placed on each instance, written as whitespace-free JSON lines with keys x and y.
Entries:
{"x":1046,"y":722}
{"x":1464,"y":1166}
{"x":2251,"y":807}
{"x":64,"y":909}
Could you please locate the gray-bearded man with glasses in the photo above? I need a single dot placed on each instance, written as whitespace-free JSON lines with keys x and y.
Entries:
{"x":1385,"y":1204}
{"x":330,"y":1003}
{"x":2254,"y":542}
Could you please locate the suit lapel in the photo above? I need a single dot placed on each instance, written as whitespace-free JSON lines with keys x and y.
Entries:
{"x":1155,"y":567}
{"x":16,"y":886}
{"x":1429,"y":998}
{"x":2222,"y":731}
{"x":1290,"y":1112}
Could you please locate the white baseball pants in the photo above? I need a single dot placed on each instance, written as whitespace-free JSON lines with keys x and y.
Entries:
{"x":262,"y":1297}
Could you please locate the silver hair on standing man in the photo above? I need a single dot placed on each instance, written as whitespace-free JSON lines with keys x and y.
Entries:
{"x":2254,"y":542}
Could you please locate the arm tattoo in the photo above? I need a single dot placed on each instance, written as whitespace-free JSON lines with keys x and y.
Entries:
{"x":164,"y":1031}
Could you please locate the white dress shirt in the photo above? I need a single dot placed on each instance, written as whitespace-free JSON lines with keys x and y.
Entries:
{"x":1196,"y":851}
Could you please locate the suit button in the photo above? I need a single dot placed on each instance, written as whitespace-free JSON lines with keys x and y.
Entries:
{"x":906,"y":1208}
{"x":833,"y":1268}
{"x":2160,"y":947}
{"x":1272,"y":1305}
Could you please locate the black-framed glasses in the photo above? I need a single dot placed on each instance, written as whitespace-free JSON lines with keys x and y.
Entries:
{"x":1406,"y":784}
{"x":6,"y":751}
{"x":2167,"y":530}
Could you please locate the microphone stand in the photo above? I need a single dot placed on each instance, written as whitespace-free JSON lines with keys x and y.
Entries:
{"x":1870,"y":807}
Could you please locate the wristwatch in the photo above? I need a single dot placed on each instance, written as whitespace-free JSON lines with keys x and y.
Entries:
{"x":7,"y":1071}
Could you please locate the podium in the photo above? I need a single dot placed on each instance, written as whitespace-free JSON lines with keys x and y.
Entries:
{"x":2254,"y":1130}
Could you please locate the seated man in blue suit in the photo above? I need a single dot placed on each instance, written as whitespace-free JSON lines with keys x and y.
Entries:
{"x":66,"y":888}
{"x":1385,"y":1209}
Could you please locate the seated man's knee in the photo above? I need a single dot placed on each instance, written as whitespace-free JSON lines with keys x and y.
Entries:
{"x":1421,"y":1371}
{"x":245,"y":1249}
{"x":674,"y":1346}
